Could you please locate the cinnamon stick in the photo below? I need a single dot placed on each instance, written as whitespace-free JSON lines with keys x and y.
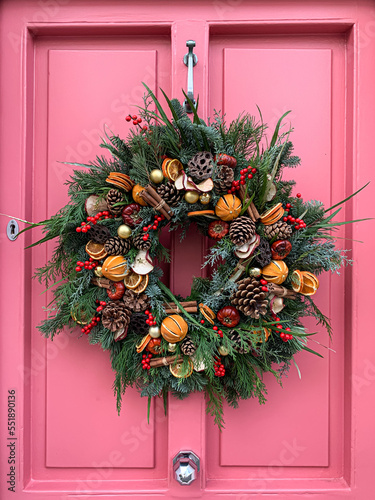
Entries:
{"x":158,"y":203}
{"x":281,"y":291}
{"x":251,"y":209}
{"x":101,"y":282}
{"x":171,"y":310}
{"x":156,"y":362}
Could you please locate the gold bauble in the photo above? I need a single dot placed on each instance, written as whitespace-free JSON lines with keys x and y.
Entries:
{"x":172,"y":347}
{"x":154,"y":332}
{"x":124,"y":231}
{"x":205,"y":198}
{"x":156,"y":176}
{"x":223,"y":351}
{"x":98,"y":272}
{"x":191,"y":196}
{"x":255,"y":272}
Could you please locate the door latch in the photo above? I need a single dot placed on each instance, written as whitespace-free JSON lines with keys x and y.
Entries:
{"x":190,"y":60}
{"x":186,"y":465}
{"x":12,"y":229}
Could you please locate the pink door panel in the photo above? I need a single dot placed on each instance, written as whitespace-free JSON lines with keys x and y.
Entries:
{"x":69,"y":69}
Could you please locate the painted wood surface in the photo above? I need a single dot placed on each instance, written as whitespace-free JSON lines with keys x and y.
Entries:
{"x":68,"y":69}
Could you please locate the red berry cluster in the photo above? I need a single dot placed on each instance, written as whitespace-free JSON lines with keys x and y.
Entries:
{"x":146,"y":361}
{"x":215,"y":329}
{"x":264,"y":283}
{"x":94,"y":321}
{"x":101,"y":305}
{"x":136,"y":121}
{"x":151,"y":320}
{"x":284,"y":336}
{"x":85,"y":226}
{"x":88,"y":264}
{"x":299,"y":223}
{"x":219,"y":367}
{"x":154,"y":226}
{"x":244,"y":172}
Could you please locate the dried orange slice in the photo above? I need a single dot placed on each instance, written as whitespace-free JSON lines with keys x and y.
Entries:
{"x":82,"y":318}
{"x":272,"y":215}
{"x":95,"y":250}
{"x":132,"y":280}
{"x":297,"y":281}
{"x":164,"y":166}
{"x":178,"y":369}
{"x":143,"y":343}
{"x":142,"y":285}
{"x":204,"y":213}
{"x":173,"y":169}
{"x":310,"y":283}
{"x":207,"y":313}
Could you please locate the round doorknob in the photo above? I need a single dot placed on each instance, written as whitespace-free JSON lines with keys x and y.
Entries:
{"x":186,"y":467}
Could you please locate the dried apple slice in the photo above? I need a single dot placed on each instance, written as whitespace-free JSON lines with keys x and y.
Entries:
{"x":142,"y":263}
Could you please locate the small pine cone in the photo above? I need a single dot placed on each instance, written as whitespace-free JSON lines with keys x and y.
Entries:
{"x":114,"y":196}
{"x":238,"y":345}
{"x":99,"y":234}
{"x":249,"y":298}
{"x":241,"y":230}
{"x":224,"y":179}
{"x":136,"y":302}
{"x":115,"y":316}
{"x":138,"y":324}
{"x":170,"y":194}
{"x":140,"y":243}
{"x":188,"y":347}
{"x":117,"y":246}
{"x":263,"y":255}
{"x":280,"y":229}
{"x":200,"y":166}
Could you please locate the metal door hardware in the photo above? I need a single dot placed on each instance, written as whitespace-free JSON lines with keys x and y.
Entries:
{"x":186,"y":465}
{"x":12,"y":229}
{"x":190,"y":60}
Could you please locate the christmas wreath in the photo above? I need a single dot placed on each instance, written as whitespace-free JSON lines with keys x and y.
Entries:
{"x":270,"y":246}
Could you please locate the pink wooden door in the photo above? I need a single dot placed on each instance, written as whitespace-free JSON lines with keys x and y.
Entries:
{"x":67,"y":69}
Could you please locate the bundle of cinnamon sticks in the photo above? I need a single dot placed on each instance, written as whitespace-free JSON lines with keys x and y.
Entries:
{"x":281,"y":291}
{"x":157,"y":362}
{"x":190,"y":306}
{"x":251,"y":209}
{"x":152,"y":198}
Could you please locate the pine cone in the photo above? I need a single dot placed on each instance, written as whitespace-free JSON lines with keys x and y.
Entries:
{"x":138,"y":324}
{"x":249,"y":298}
{"x":170,"y":194}
{"x":263,"y":255}
{"x":238,"y":344}
{"x":115,"y":316}
{"x":114,"y":196}
{"x":140,"y":243}
{"x":200,"y":166}
{"x":99,"y":233}
{"x":224,"y":179}
{"x":280,"y":229}
{"x":188,"y":347}
{"x":241,"y":230}
{"x":136,"y":302}
{"x":117,"y":246}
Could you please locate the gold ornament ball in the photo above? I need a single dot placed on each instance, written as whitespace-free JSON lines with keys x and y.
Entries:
{"x":124,"y":231}
{"x":255,"y":272}
{"x":191,"y":196}
{"x":154,"y":332}
{"x":223,"y":350}
{"x":172,"y":347}
{"x":98,"y":272}
{"x":156,"y":176}
{"x":205,"y":198}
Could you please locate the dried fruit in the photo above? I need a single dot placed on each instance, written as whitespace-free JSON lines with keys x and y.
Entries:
{"x":281,"y":249}
{"x":178,"y":370}
{"x":272,"y":215}
{"x":142,"y":263}
{"x":275,"y":272}
{"x":135,"y":193}
{"x":132,"y":280}
{"x":207,"y":313}
{"x":228,"y":316}
{"x":130,"y":214}
{"x":228,"y":207}
{"x":115,"y":268}
{"x":218,"y":229}
{"x":116,"y":290}
{"x":153,"y":345}
{"x":174,"y":328}
{"x":96,"y":250}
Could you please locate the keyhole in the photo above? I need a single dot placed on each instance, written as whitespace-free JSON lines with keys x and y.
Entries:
{"x":12,"y":229}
